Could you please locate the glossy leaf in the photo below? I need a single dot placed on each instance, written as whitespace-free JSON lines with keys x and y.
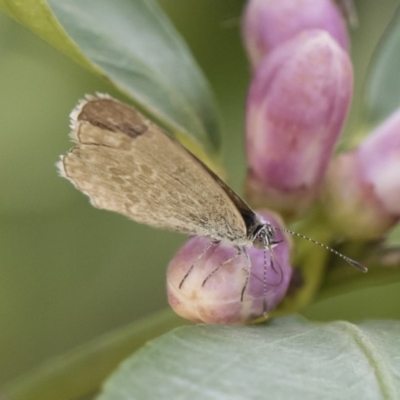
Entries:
{"x":288,"y":358}
{"x":132,"y":44}
{"x":382,"y":96}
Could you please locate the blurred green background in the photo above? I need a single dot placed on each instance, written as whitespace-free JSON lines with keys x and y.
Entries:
{"x":69,"y":272}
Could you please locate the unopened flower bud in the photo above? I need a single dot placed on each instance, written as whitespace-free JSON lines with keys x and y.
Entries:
{"x":296,"y":107}
{"x":362,"y":189}
{"x":213,"y":284}
{"x":268,"y":23}
{"x":380,"y":157}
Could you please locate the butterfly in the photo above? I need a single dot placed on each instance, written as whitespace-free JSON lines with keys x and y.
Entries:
{"x":128,"y":164}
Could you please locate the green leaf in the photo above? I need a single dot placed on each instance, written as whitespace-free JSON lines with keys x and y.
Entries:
{"x":289,"y":358}
{"x":382,"y":95}
{"x":80,"y":373}
{"x":132,"y":44}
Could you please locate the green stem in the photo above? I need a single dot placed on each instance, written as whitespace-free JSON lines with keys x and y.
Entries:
{"x":310,"y":260}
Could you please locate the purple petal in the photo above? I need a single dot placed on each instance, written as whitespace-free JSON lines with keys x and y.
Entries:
{"x":350,"y":201}
{"x":379,"y":155}
{"x":269,"y":23}
{"x":296,"y":107}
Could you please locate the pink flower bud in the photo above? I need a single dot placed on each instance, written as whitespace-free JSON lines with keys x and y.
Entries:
{"x":350,"y":202}
{"x":379,"y":155}
{"x":268,"y":23}
{"x":296,"y":107}
{"x":362,"y":189}
{"x":216,"y":297}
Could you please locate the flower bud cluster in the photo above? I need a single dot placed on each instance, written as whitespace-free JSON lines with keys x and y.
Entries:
{"x":298,"y":99}
{"x":297,"y":104}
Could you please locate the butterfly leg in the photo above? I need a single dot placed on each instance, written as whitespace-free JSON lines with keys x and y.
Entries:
{"x":275,"y":263}
{"x":238,"y":253}
{"x":213,"y":242}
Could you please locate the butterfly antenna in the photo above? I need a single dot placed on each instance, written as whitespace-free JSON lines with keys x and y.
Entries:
{"x":350,"y":261}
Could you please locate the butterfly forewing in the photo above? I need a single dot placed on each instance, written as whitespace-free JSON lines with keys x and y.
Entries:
{"x":127,"y":164}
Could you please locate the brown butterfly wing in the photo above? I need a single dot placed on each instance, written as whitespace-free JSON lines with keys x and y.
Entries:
{"x":127,"y":164}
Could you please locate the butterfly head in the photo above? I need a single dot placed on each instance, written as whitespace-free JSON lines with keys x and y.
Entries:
{"x":264,"y":236}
